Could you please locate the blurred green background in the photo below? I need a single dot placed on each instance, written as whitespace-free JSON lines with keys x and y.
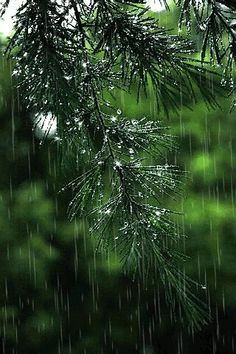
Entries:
{"x":59,"y":297}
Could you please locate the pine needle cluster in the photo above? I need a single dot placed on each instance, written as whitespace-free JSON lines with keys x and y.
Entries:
{"x":216,"y":23}
{"x":68,"y":55}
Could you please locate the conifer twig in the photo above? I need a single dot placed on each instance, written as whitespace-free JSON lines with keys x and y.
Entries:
{"x":68,"y":57}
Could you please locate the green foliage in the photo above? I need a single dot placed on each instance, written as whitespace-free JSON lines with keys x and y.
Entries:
{"x":68,"y":56}
{"x":107,"y":312}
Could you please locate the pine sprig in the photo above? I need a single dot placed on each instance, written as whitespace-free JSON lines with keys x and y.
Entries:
{"x":46,"y":30}
{"x":166,"y":60}
{"x":216,"y":21}
{"x":67,"y":57}
{"x":128,"y":217}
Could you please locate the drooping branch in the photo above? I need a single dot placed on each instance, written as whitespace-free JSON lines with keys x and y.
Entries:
{"x":68,"y":56}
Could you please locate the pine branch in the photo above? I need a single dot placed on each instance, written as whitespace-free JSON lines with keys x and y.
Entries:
{"x":166,"y":60}
{"x":216,"y":20}
{"x":67,"y":57}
